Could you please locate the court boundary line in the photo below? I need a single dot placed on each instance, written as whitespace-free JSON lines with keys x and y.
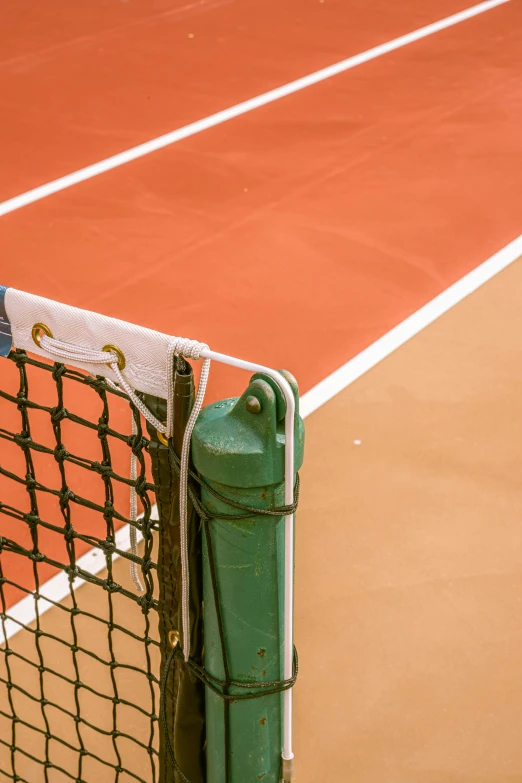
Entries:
{"x":213,"y":120}
{"x":57,"y":587}
{"x":379,"y":350}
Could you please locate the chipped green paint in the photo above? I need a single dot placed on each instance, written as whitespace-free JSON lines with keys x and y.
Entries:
{"x":238,"y":449}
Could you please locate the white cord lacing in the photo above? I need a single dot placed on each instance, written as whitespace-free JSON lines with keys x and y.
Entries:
{"x":178,"y":346}
{"x":190,"y":350}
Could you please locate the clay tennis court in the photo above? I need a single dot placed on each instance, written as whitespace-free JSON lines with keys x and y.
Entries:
{"x":360,"y":228}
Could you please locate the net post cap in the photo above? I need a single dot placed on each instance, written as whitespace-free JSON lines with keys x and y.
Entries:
{"x":241,"y":444}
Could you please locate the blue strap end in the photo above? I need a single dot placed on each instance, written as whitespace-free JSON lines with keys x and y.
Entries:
{"x":6,"y":334}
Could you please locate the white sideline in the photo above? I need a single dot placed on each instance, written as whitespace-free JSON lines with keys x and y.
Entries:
{"x":57,"y":588}
{"x":220,"y":117}
{"x":385,"y":345}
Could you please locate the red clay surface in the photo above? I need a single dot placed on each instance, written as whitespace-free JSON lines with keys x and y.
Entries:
{"x":80,"y":83}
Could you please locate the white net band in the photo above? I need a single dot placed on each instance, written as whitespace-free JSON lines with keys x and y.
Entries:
{"x":146,"y":351}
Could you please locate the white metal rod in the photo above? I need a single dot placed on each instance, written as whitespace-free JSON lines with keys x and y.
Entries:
{"x":289,"y":528}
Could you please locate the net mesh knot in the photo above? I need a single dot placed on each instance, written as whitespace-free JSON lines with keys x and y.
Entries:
{"x":58,"y":414}
{"x":137,"y":443}
{"x":112,"y":587}
{"x":146,"y":602}
{"x":59,"y":370}
{"x":103,"y":427}
{"x":108,"y":511}
{"x":147,"y":566}
{"x":60,"y":453}
{"x":22,"y":439}
{"x":103,"y":470}
{"x":20,"y":357}
{"x":69,"y":533}
{"x":66,"y":495}
{"x":97,"y":383}
{"x":30,"y":481}
{"x":141,"y":485}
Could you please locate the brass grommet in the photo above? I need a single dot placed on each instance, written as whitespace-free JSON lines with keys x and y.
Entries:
{"x":173,"y":639}
{"x":36,"y":332}
{"x":162,"y":438}
{"x":119,"y":354}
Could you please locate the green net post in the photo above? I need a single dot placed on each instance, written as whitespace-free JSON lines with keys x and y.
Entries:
{"x":238,"y":449}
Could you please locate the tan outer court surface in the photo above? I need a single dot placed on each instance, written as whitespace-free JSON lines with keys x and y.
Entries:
{"x":409,"y":560}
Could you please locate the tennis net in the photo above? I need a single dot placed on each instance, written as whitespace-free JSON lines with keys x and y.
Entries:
{"x":89,"y":579}
{"x":80,"y":653}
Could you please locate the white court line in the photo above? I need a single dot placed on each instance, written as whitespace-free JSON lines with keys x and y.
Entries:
{"x":57,"y":588}
{"x":379,"y":350}
{"x":241,"y":108}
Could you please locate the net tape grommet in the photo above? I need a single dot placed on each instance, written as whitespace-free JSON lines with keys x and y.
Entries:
{"x":37,"y":330}
{"x":119,"y":353}
{"x":173,"y":638}
{"x":162,"y":437}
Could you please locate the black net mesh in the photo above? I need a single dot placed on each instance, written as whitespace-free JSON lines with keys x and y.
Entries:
{"x":79,"y":647}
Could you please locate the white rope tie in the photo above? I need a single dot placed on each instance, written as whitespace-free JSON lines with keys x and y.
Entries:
{"x":178,"y":346}
{"x":183,"y":478}
{"x":190,"y":350}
